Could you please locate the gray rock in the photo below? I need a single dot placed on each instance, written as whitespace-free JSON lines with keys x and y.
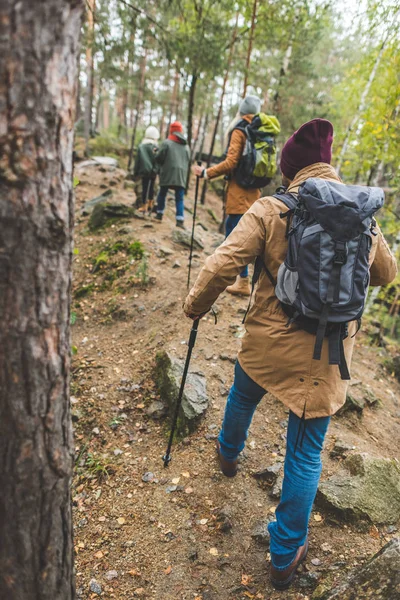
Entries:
{"x":129,"y":185}
{"x":368,"y":490}
{"x":156,"y":410}
{"x":90,"y":204}
{"x":341,"y":449}
{"x":358,"y":397}
{"x":176,"y":265}
{"x":95,"y":587}
{"x":228,"y":357}
{"x":164,"y":251}
{"x":126,"y":230}
{"x":276,"y":489}
{"x":104,"y":213}
{"x":260,"y":533}
{"x":224,"y":519}
{"x":106,"y":161}
{"x":111,"y":575}
{"x":268,"y":477}
{"x":377,"y":579}
{"x":148,"y":477}
{"x":168,"y":375}
{"x":183,"y":237}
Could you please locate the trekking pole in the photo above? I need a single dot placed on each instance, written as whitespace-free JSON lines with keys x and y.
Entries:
{"x":192,"y":341}
{"x":193,"y":225}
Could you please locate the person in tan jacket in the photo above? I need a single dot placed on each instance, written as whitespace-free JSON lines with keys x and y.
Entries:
{"x":277,"y":357}
{"x":238,"y":199}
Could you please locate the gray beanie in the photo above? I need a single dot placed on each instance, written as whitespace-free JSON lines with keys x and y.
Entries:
{"x":250,"y":106}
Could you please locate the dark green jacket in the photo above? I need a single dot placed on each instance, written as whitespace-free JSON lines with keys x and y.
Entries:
{"x":145,"y":163}
{"x":173,"y":159}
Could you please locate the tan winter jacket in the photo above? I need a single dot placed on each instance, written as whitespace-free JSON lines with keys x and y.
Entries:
{"x":238,"y":199}
{"x":277,"y":357}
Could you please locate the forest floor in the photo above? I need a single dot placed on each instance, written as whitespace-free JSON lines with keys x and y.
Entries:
{"x":133,"y":538}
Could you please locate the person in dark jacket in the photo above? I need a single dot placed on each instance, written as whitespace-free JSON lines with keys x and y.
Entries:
{"x":146,"y":169}
{"x":173,"y":160}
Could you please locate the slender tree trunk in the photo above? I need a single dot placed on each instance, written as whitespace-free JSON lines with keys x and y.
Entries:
{"x":221,"y":105}
{"x":91,"y":7}
{"x":162,"y":122}
{"x":361,"y":107}
{"x":198,"y":133}
{"x":38,"y":84}
{"x":203,"y":137}
{"x":138,"y":105}
{"x":379,"y":171}
{"x":250,"y":47}
{"x":192,"y":93}
{"x":173,"y":111}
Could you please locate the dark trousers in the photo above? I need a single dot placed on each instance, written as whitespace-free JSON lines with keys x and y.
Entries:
{"x":147,"y":189}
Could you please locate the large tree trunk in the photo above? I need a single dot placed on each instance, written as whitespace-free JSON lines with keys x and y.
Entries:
{"x":91,"y":6}
{"x":250,"y":47}
{"x":138,"y":105}
{"x":38,"y":80}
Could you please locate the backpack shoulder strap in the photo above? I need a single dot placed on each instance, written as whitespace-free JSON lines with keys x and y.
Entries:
{"x":287,"y":198}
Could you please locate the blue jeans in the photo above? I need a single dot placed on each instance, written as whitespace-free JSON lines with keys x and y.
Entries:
{"x":230,"y":224}
{"x":302,"y":464}
{"x":179,"y":198}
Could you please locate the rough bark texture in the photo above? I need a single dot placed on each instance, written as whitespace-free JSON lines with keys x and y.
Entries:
{"x":38,"y":68}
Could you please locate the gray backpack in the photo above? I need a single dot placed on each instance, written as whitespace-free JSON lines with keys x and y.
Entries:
{"x":323,"y":283}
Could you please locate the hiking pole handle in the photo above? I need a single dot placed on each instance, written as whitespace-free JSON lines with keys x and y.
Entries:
{"x":192,"y":340}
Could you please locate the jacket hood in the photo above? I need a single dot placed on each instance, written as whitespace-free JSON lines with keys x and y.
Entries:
{"x":181,"y":138}
{"x":342,"y":210}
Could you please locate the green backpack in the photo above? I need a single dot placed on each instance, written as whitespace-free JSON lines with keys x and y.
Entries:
{"x":258,"y":163}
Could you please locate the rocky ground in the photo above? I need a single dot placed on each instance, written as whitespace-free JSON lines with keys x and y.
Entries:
{"x":186,"y":532}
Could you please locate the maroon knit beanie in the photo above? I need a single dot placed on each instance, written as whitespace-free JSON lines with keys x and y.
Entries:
{"x":310,"y":144}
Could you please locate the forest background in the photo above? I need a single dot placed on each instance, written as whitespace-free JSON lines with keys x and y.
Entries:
{"x":154,"y":61}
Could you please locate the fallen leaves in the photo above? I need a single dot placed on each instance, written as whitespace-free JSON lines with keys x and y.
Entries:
{"x":168,"y":570}
{"x":317,"y":517}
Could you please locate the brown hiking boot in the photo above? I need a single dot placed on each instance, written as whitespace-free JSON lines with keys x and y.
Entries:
{"x":228,"y":467}
{"x":281,"y":580}
{"x":143,"y":209}
{"x":241,"y":287}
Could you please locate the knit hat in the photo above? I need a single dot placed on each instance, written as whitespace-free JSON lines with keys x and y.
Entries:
{"x":152,"y":133}
{"x":176,"y":127}
{"x":310,"y":144}
{"x":250,"y":106}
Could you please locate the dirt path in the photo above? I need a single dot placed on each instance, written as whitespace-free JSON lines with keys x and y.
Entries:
{"x":132,"y":537}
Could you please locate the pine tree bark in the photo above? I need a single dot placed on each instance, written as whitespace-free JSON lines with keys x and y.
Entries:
{"x":38,"y":84}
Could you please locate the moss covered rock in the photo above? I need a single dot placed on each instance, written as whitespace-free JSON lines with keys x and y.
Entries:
{"x":379,"y":578}
{"x":368,"y":490}
{"x":168,"y":376}
{"x":106,"y":213}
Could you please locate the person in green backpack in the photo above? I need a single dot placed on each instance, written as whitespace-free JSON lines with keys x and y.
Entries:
{"x":249,"y":163}
{"x":145,"y":169}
